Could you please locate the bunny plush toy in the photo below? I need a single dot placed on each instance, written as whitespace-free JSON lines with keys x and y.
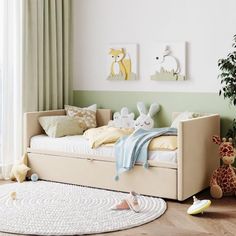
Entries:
{"x":145,"y":119}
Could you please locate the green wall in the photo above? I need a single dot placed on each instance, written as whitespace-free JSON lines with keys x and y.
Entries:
{"x":169,"y":101}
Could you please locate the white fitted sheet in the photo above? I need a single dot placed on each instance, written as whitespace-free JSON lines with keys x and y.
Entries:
{"x":78,"y":144}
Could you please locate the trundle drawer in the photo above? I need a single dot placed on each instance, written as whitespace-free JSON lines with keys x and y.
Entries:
{"x":154,"y":181}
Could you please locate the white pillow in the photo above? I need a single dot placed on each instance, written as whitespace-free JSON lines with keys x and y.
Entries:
{"x":182,"y":116}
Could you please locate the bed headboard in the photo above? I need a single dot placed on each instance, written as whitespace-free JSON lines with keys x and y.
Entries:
{"x":32,"y":126}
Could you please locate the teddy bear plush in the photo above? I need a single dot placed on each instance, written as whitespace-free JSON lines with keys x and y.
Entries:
{"x":223,"y":180}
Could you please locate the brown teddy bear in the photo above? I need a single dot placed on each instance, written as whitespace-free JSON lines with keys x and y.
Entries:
{"x":223,"y":180}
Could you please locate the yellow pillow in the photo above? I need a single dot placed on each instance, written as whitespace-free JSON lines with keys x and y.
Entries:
{"x":104,"y":135}
{"x":93,"y":132}
{"x":163,"y":143}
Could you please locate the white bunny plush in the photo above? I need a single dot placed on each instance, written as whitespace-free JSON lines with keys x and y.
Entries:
{"x":122,"y":119}
{"x":145,"y":119}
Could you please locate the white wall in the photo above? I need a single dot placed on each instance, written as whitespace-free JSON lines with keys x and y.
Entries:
{"x":208,"y":27}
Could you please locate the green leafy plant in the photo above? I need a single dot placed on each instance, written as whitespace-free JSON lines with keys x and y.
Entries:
{"x":232,"y":132}
{"x":227,"y":76}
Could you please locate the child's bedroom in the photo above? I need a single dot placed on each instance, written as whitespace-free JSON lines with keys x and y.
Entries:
{"x":117,"y":117}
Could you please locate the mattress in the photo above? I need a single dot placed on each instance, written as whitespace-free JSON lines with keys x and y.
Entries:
{"x":78,"y":146}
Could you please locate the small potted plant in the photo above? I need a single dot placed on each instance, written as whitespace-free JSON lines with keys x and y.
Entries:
{"x":227,"y":76}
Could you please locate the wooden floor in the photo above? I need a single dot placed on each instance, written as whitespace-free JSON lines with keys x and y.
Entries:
{"x":218,"y":220}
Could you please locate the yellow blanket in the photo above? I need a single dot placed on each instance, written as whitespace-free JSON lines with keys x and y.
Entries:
{"x":109,"y":135}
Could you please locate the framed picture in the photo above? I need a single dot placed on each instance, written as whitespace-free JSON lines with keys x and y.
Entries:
{"x":122,"y":62}
{"x":168,"y":61}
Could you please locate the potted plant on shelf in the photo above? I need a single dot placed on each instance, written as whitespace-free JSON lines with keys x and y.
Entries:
{"x":227,"y":76}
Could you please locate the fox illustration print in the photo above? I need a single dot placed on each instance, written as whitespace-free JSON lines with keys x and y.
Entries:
{"x":121,"y":63}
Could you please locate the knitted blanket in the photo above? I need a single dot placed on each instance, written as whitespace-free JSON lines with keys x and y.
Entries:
{"x":134,"y":148}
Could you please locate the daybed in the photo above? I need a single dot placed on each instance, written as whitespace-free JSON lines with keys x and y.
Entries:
{"x":197,"y":157}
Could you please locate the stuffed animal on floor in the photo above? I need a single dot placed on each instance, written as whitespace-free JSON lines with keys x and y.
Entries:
{"x":223,"y":180}
{"x":19,"y":170}
{"x":145,"y":119}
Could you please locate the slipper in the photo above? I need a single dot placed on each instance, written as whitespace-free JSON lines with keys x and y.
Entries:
{"x":122,"y":205}
{"x":132,"y":201}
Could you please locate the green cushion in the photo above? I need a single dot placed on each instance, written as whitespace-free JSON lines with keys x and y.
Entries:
{"x":58,"y":126}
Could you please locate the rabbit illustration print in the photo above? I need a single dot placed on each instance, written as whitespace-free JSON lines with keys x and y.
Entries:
{"x":168,"y":61}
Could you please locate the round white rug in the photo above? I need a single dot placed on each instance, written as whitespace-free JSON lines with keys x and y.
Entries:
{"x":46,"y":208}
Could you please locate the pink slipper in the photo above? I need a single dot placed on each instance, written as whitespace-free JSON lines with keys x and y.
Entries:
{"x":132,"y":201}
{"x":122,"y":205}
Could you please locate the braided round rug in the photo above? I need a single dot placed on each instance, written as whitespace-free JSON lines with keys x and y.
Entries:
{"x":46,"y":208}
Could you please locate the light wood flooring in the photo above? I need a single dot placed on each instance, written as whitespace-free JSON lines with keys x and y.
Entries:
{"x":218,"y":220}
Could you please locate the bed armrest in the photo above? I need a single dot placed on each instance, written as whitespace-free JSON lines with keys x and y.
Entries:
{"x":198,"y":155}
{"x":32,"y":126}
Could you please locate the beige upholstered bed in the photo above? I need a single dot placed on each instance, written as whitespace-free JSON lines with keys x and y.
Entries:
{"x":197,"y":157}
